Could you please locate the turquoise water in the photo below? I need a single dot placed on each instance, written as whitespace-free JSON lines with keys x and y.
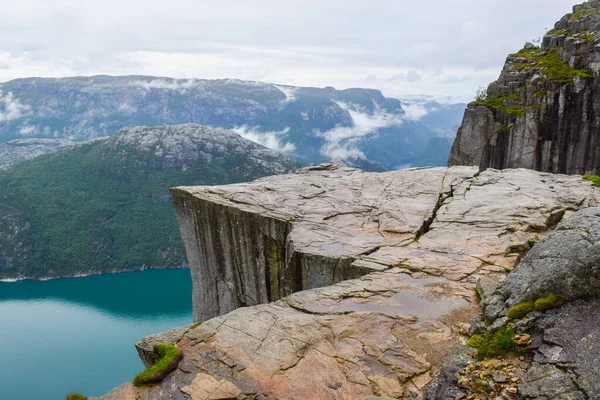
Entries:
{"x":77,"y":335}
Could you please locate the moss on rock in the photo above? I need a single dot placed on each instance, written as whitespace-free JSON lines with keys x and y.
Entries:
{"x":521,"y":310}
{"x":549,"y":302}
{"x":75,"y":396}
{"x":170,"y":357}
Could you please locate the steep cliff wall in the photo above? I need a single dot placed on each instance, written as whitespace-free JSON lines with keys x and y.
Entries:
{"x":543,"y":112}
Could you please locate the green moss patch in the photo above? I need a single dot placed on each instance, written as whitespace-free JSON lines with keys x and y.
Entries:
{"x":595,"y":179}
{"x":493,"y":344}
{"x":75,"y":396}
{"x":521,"y":310}
{"x":549,"y":302}
{"x":169,"y":358}
{"x":500,"y":103}
{"x":583,"y":10}
{"x":475,"y":341}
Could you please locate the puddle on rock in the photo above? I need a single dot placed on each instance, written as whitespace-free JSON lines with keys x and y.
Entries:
{"x":423,"y":298}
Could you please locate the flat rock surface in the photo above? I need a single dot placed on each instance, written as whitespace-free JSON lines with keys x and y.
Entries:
{"x":429,"y":234}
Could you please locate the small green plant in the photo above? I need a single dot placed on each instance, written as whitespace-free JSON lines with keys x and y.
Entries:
{"x":195,"y":325}
{"x":531,"y":242}
{"x":75,"y":396}
{"x":169,"y":358}
{"x":549,"y":302}
{"x":521,"y":310}
{"x":595,"y":179}
{"x":493,"y":344}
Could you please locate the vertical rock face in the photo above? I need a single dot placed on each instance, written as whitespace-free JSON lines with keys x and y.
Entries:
{"x":542,"y":113}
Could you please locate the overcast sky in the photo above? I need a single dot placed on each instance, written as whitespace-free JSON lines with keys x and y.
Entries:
{"x":434,"y":47}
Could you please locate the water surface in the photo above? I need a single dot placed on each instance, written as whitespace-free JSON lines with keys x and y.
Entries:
{"x":77,"y":335}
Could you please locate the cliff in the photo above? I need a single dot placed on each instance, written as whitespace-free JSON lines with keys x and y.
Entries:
{"x":335,"y":283}
{"x":542,"y":111}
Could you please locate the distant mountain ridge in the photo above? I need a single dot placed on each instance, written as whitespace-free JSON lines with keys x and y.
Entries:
{"x":312,"y":124}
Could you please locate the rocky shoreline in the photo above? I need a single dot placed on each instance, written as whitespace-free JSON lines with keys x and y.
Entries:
{"x":93,"y":273}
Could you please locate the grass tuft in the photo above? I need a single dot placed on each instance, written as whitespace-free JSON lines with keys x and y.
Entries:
{"x":169,"y":358}
{"x":493,"y":344}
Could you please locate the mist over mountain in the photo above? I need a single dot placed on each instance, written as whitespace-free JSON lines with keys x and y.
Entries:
{"x":312,"y":125}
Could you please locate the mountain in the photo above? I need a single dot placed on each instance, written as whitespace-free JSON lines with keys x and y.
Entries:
{"x":104,"y":206}
{"x":313,"y":125}
{"x":542,"y":111}
{"x":19,"y":150}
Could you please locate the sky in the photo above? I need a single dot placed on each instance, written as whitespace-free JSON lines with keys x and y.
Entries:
{"x":446,"y":49}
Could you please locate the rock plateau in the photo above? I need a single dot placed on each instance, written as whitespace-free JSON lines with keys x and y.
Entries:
{"x":333,"y":283}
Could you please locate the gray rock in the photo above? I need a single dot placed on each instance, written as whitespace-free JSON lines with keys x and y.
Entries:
{"x":19,"y":150}
{"x":486,"y":287}
{"x":566,"y":263}
{"x":567,"y":354}
{"x":445,"y":386}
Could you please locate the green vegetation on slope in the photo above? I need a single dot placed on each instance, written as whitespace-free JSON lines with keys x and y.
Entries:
{"x":511,"y":104}
{"x":102,"y":208}
{"x":550,"y":64}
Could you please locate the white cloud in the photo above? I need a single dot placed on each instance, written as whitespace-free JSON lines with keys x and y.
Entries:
{"x":289,"y":92}
{"x":27,"y":130}
{"x":272,"y":139}
{"x":171,"y":84}
{"x":341,"y":140}
{"x":11,"y":108}
{"x":415,"y":111}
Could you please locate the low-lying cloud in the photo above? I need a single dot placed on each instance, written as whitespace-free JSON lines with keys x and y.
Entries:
{"x":415,"y":111}
{"x":11,"y":108}
{"x":274,"y":140}
{"x":341,"y":140}
{"x":168,"y":84}
{"x":290,"y":92}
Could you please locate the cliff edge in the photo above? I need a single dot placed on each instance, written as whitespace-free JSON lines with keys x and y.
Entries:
{"x":542,"y":112}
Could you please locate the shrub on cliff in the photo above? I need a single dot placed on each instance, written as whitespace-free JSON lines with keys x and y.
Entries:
{"x":169,"y":358}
